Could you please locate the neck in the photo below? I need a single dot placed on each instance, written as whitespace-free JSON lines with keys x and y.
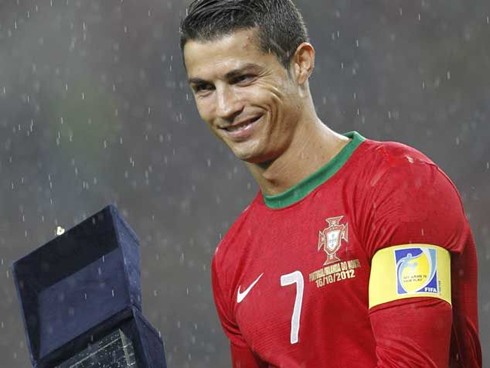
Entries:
{"x":312,"y":147}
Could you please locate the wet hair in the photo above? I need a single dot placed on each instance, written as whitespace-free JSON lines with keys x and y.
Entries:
{"x":280,"y":26}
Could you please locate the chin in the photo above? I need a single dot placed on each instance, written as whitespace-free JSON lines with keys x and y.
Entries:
{"x":246,"y":155}
{"x":251,"y":152}
{"x":252,"y":157}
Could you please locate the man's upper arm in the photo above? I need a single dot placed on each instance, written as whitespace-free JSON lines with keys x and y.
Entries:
{"x":416,"y":227}
{"x":413,"y":333}
{"x":409,"y":303}
{"x":241,"y":355}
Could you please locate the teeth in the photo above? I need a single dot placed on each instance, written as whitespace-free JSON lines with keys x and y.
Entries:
{"x":238,"y":127}
{"x":241,"y":126}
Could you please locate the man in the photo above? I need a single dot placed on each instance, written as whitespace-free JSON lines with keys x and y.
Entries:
{"x":354,"y":253}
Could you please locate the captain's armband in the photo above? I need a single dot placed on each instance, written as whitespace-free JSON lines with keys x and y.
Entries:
{"x":407,"y":271}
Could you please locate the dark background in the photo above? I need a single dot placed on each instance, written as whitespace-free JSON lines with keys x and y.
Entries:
{"x":95,"y":109}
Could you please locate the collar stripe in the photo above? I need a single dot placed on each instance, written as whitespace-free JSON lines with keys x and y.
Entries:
{"x":306,"y":186}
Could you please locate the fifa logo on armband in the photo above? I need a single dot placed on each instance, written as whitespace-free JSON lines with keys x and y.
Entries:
{"x":416,"y":271}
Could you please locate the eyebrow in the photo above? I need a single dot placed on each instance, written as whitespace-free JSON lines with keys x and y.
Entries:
{"x":230,"y":75}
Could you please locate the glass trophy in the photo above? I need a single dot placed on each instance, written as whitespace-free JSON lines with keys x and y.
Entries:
{"x":80,"y":296}
{"x":113,"y":351}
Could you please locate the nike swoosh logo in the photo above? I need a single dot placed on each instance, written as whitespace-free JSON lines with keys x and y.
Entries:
{"x":240,"y":296}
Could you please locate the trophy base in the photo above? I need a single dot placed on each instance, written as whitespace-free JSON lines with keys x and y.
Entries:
{"x":113,"y":351}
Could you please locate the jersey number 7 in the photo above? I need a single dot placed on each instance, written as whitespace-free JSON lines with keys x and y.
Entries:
{"x":295,"y":278}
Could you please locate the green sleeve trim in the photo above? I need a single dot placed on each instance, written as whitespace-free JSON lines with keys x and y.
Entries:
{"x":306,"y":186}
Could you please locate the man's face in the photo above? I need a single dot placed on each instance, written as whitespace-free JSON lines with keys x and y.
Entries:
{"x":245,"y":96}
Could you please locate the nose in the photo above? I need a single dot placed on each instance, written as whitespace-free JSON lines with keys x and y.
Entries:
{"x":229,"y":104}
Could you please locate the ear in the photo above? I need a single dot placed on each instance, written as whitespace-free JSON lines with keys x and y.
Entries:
{"x":303,"y":62}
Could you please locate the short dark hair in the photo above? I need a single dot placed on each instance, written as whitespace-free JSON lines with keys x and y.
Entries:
{"x":281,"y":28}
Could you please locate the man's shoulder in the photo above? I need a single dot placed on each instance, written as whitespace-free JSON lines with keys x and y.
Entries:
{"x":377,"y":161}
{"x":237,"y":233}
{"x":393,"y":153}
{"x":410,"y":200}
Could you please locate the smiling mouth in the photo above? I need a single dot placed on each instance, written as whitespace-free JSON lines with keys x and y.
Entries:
{"x":243,"y":125}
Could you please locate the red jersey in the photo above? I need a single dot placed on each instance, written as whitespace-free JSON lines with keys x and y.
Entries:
{"x":291,"y":278}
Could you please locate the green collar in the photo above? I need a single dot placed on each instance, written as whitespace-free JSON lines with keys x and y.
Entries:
{"x":306,"y":186}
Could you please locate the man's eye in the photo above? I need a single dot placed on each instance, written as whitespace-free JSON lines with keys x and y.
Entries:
{"x":244,"y":78}
{"x":203,"y":88}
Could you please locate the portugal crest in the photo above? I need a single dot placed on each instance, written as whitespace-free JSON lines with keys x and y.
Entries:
{"x":331,"y":238}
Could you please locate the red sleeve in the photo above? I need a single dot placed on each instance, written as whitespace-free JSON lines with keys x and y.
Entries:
{"x":413,"y":333}
{"x":241,"y":355}
{"x":412,"y":202}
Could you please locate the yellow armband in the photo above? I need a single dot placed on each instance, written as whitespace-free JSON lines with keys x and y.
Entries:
{"x":407,"y":271}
